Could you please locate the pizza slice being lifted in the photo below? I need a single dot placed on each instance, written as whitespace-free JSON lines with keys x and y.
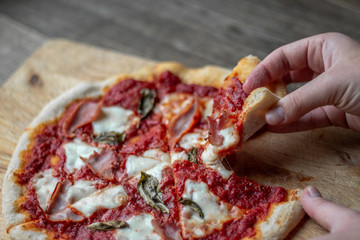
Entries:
{"x":140,"y":157}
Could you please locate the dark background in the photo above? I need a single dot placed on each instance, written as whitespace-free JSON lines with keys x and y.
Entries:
{"x":195,"y":33}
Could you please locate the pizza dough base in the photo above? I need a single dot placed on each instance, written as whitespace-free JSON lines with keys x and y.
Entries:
{"x":256,"y":106}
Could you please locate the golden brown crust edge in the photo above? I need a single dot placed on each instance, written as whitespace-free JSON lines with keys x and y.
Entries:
{"x":259,"y":101}
{"x":284,"y":217}
{"x":29,"y":231}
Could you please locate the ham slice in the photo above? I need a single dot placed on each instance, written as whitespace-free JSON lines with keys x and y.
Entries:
{"x":67,"y":214}
{"x":83,"y":113}
{"x":184,"y":121}
{"x":215,"y":125}
{"x":57,"y":200}
{"x":103,"y":164}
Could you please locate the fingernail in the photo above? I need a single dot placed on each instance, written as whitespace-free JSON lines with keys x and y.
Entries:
{"x":313,"y":192}
{"x":275,"y":116}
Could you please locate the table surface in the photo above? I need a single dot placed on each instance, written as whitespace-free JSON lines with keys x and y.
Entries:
{"x":195,"y":33}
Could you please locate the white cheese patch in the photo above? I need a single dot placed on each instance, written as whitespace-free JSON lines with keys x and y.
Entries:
{"x":209,"y":203}
{"x":115,"y":119}
{"x":76,"y":149}
{"x":231,"y":139}
{"x":135,"y":164}
{"x":216,"y":212}
{"x":219,"y":167}
{"x":80,"y":189}
{"x":44,"y":184}
{"x":182,"y":156}
{"x":152,"y":162}
{"x":157,"y":154}
{"x":193,"y":139}
{"x":140,"y":227}
{"x":105,"y":198}
{"x":207,"y":111}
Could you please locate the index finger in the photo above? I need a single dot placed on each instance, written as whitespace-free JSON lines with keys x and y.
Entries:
{"x":294,"y":56}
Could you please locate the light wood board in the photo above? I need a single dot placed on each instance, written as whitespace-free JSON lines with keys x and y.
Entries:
{"x":326,"y":158}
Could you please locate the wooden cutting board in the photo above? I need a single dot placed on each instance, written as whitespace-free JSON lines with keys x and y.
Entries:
{"x":326,"y":158}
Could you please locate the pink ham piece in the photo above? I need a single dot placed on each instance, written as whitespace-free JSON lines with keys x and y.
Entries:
{"x":83,"y":113}
{"x":57,"y":200}
{"x":184,"y":121}
{"x":58,"y":210}
{"x":67,"y":214}
{"x":215,"y":125}
{"x":103,"y":164}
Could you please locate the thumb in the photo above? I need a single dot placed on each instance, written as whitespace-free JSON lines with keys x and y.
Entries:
{"x":331,"y":216}
{"x":321,"y":91}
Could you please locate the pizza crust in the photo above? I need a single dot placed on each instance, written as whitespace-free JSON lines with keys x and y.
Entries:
{"x":284,"y":217}
{"x":206,"y":76}
{"x":25,"y":231}
{"x":255,"y":107}
{"x":12,"y":191}
{"x":259,"y":101}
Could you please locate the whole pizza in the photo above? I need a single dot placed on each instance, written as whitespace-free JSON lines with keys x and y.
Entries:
{"x":141,"y":157}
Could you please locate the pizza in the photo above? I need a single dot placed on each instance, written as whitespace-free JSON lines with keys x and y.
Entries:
{"x":141,"y":157}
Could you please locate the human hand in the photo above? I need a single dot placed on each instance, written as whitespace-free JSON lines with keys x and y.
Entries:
{"x":330,"y":63}
{"x":341,"y":222}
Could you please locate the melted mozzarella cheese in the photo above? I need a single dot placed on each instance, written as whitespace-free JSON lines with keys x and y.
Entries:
{"x":231,"y":139}
{"x":80,"y":189}
{"x":115,"y":119}
{"x":140,"y":227}
{"x":152,"y":162}
{"x":105,"y":198}
{"x":182,"y":156}
{"x":216,"y":212}
{"x":76,"y":149}
{"x":194,"y":139}
{"x":44,"y":184}
{"x":208,"y":108}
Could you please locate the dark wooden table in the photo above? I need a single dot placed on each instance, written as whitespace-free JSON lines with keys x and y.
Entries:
{"x":195,"y":33}
{"x":192,"y":32}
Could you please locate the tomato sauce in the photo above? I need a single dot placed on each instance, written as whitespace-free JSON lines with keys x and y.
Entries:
{"x":236,"y":190}
{"x":126,"y":94}
{"x":47,"y":144}
{"x":167,"y":83}
{"x":231,"y":98}
{"x":239,"y":228}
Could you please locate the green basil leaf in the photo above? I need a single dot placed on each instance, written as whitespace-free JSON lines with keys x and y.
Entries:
{"x":105,"y":226}
{"x":113,"y":138}
{"x":193,"y":205}
{"x":192,"y":155}
{"x":149,"y":189}
{"x":147,"y":102}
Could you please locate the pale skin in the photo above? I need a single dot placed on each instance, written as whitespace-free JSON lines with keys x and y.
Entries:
{"x":330,"y":64}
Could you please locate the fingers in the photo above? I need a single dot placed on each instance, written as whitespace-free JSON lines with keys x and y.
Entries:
{"x":294,"y":56}
{"x":331,"y":216}
{"x":323,"y":90}
{"x":335,"y":236}
{"x":300,"y":75}
{"x":317,"y":118}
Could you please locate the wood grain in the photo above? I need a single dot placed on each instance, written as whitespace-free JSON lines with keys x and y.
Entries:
{"x":326,"y":158}
{"x":195,"y":33}
{"x":17,"y":43}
